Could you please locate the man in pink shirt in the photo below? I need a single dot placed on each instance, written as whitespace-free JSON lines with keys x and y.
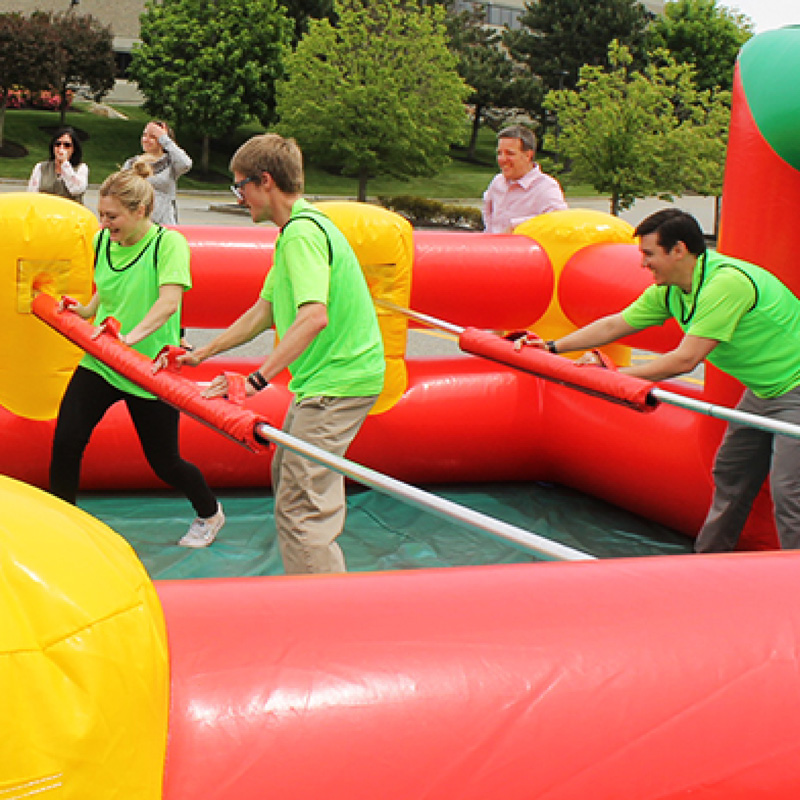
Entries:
{"x":521,"y":190}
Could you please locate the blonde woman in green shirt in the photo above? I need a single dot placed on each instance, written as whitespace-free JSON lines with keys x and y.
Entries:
{"x":141,"y":272}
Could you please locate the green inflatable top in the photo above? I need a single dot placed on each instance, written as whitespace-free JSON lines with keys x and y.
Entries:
{"x":769,"y":65}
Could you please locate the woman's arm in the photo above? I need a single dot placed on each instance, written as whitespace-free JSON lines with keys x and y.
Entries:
{"x":83,"y":311}
{"x":35,"y":179}
{"x":76,"y":180}
{"x":180,"y":162}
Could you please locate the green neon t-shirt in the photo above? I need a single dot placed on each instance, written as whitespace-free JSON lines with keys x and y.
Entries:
{"x":127,"y":280}
{"x":314,"y":263}
{"x":753,"y":316}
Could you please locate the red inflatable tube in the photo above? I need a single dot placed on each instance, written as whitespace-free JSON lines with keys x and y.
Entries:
{"x":233,"y":421}
{"x":497,"y":282}
{"x":612,"y":680}
{"x":605,"y":383}
{"x":759,"y":225}
{"x":616,"y":277}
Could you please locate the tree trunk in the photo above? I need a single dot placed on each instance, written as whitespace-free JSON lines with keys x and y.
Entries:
{"x":205,"y":158}
{"x":615,"y":205}
{"x":2,"y":120}
{"x":362,"y":185}
{"x":473,"y":139}
{"x":62,"y":105}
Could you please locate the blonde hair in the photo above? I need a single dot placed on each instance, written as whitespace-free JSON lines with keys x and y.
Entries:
{"x":271,"y":153}
{"x":131,"y":187}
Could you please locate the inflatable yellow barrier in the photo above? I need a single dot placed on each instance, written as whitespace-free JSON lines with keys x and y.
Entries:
{"x":44,"y":240}
{"x":84,"y":671}
{"x":383,"y":242}
{"x":562,"y":234}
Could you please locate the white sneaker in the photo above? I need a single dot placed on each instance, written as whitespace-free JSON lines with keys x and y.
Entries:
{"x":203,"y":531}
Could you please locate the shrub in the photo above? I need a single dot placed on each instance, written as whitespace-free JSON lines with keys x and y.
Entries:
{"x":16,"y":98}
{"x":424,"y":211}
{"x":45,"y":100}
{"x":48,"y":100}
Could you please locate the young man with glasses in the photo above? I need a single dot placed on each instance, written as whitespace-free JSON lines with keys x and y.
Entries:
{"x":316,"y":298}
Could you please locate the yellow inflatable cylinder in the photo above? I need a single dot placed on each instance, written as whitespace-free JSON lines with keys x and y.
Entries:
{"x":43,"y":239}
{"x":83,"y":656}
{"x":561,"y":234}
{"x":384,"y":244}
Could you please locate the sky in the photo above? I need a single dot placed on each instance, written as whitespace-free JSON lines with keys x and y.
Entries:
{"x":767,"y":14}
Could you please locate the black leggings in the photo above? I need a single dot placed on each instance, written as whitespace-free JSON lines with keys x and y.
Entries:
{"x":86,"y":400}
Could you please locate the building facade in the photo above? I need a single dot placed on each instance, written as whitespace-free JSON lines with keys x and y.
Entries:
{"x":509,"y":11}
{"x":123,"y":17}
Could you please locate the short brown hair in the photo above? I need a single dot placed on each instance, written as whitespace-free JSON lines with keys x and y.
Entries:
{"x":271,"y":153}
{"x":671,"y":225}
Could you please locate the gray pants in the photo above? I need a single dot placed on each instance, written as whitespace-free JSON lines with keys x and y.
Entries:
{"x":744,"y":460}
{"x":310,"y":505}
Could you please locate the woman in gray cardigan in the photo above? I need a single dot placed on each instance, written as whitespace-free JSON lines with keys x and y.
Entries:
{"x":168,"y":162}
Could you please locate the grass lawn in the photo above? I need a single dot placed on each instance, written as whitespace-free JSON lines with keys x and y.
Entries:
{"x":110,"y":141}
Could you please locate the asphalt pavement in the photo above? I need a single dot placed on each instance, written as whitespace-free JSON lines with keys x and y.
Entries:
{"x":219,"y":208}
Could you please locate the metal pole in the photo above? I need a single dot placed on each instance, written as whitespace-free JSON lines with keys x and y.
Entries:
{"x":417,"y":316}
{"x":431,"y":502}
{"x":664,"y":396}
{"x":728,"y":414}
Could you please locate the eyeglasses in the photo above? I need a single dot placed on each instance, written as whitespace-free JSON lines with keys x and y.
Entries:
{"x":68,"y":145}
{"x":237,"y":187}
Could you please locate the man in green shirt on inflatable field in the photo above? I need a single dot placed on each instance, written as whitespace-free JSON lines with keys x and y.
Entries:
{"x":745,"y":322}
{"x":316,"y":298}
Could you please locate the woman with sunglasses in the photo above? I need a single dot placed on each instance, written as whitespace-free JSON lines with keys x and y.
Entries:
{"x":141,"y":273}
{"x":64,"y":173}
{"x":168,"y":162}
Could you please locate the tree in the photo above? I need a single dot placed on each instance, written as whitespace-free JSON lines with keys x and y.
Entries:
{"x":301,"y":11}
{"x":483,"y":64}
{"x":633,"y":134}
{"x":210,"y":65}
{"x":377,"y":94}
{"x":83,"y":56}
{"x":26,"y":47}
{"x":701,"y":33}
{"x":558,"y":37}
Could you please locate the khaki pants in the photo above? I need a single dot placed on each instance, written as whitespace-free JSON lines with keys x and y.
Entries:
{"x":310,"y":505}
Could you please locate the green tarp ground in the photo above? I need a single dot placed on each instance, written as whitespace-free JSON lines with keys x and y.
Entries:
{"x":382,"y":533}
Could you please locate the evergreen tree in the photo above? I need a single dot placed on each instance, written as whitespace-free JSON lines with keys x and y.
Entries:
{"x":702,"y":33}
{"x":558,"y":37}
{"x":483,"y":64}
{"x":301,"y":11}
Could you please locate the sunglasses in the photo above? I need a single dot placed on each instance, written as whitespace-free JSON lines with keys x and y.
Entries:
{"x":68,"y":145}
{"x":237,"y":187}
